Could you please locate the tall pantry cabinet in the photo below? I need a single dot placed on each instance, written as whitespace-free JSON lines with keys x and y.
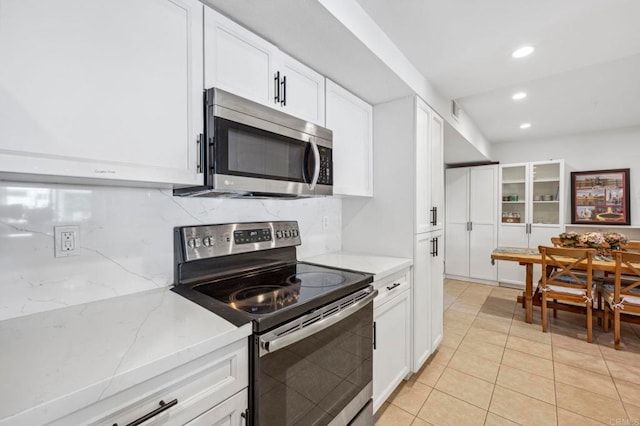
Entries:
{"x":531,"y":210}
{"x":471,"y":223}
{"x":405,"y":218}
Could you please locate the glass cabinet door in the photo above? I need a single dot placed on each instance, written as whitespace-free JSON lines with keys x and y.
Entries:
{"x":514,"y":193}
{"x":546,"y":193}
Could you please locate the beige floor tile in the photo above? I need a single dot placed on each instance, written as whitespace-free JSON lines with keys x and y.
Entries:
{"x":529,"y":332}
{"x":529,"y":363}
{"x":443,"y":409}
{"x":634,"y":413}
{"x":496,"y":316}
{"x":509,"y":294}
{"x":521,"y":408}
{"x":527,"y":383}
{"x":475,"y":365}
{"x":390,"y":415}
{"x":567,"y":418}
{"x":430,"y":373}
{"x":622,"y":356}
{"x":543,"y":350}
{"x":581,"y":360}
{"x":488,"y":323}
{"x":465,"y":387}
{"x":411,"y":396}
{"x":485,"y":350}
{"x":629,"y":391}
{"x":498,"y":309}
{"x":465,"y":308}
{"x":452,"y":339}
{"x":574,"y":343}
{"x":442,"y":355}
{"x":419,"y":422}
{"x":461,"y":317}
{"x":452,"y":325}
{"x":629,"y":372}
{"x":495,"y":420}
{"x":585,"y":379}
{"x":477,"y":334}
{"x":589,"y":404}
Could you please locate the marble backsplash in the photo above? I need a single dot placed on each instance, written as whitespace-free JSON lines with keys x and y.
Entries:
{"x":125,"y":237}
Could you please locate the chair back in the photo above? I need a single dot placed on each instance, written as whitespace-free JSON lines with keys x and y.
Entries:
{"x":633,"y":246}
{"x":567,"y":267}
{"x":627,"y":282}
{"x":556,"y":241}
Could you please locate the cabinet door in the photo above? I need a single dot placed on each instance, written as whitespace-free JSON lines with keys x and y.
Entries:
{"x":423,"y":164}
{"x":421,"y":293}
{"x":391,"y":357}
{"x":236,"y":60}
{"x":350,"y":119}
{"x":302,"y":90}
{"x":436,"y":296}
{"x":437,"y":171}
{"x":457,"y":218}
{"x":483,"y":232}
{"x":106,"y":90}
{"x":227,"y":413}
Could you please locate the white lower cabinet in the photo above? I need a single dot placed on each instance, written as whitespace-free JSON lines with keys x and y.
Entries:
{"x":213,"y":386}
{"x":427,"y":296}
{"x":392,"y":343}
{"x":228,"y":413}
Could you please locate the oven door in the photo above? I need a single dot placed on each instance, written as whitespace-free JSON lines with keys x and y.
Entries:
{"x":317,"y":369}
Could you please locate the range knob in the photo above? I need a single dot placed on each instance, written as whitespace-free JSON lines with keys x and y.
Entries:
{"x":279,"y":234}
{"x":208,"y":241}
{"x":194,"y":242}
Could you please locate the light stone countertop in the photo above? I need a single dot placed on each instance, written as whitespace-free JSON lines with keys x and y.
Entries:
{"x":56,"y":362}
{"x":380,"y":266}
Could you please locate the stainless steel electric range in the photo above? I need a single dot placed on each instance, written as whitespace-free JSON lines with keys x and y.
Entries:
{"x":312,"y":345}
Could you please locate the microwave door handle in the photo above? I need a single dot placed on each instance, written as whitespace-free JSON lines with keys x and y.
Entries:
{"x":316,"y":170}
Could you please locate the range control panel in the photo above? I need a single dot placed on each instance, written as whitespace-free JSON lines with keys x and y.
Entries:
{"x":206,"y":241}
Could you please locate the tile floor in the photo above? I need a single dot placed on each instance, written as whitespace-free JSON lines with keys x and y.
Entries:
{"x":494,"y":369}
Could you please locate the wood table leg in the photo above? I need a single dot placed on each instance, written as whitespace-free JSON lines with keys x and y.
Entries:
{"x":528,"y":294}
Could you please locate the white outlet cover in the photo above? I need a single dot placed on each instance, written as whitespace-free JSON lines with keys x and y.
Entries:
{"x":57,"y":240}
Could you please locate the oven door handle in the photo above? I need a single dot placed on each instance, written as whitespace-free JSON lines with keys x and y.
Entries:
{"x":271,"y":342}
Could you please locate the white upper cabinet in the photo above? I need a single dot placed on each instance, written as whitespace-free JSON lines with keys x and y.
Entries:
{"x":429,"y":169}
{"x":350,"y":119}
{"x":240,"y":62}
{"x":93,"y":89}
{"x":236,"y":60}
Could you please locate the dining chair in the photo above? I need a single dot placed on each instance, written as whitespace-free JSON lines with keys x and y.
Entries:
{"x":567,"y":277}
{"x":556,"y":241}
{"x":633,"y":246}
{"x":624,"y":294}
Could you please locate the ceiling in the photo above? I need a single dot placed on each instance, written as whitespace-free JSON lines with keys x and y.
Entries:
{"x":584,"y":75}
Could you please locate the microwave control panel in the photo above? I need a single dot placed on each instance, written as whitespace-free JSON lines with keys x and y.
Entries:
{"x":326,"y":166}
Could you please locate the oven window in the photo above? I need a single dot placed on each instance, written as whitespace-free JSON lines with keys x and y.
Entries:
{"x":310,"y":382}
{"x":247,"y":151}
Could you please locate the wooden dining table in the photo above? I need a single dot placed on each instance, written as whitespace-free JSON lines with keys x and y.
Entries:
{"x":529,"y":257}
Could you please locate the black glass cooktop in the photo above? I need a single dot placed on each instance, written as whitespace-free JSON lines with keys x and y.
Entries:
{"x":269,"y":295}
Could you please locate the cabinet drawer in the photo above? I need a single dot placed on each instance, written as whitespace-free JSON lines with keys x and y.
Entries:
{"x":197,"y":386}
{"x":391,"y":286}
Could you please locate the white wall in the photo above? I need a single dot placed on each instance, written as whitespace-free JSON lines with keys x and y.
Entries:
{"x":126,"y":238}
{"x":614,"y":149}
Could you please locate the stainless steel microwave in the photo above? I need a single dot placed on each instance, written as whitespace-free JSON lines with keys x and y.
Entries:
{"x":251,"y":150}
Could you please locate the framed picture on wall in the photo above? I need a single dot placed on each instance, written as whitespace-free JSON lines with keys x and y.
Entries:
{"x":600,"y":197}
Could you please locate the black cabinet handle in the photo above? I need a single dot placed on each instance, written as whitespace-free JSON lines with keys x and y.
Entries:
{"x":283,"y":102}
{"x":276,"y":87}
{"x":200,"y":149}
{"x":374,"y":335}
{"x":436,"y":246}
{"x":433,"y":247}
{"x":391,"y":287}
{"x":163,"y":407}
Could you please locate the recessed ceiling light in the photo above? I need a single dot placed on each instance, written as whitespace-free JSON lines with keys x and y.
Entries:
{"x":525,"y":125}
{"x":518,"y":96}
{"x":523,"y":51}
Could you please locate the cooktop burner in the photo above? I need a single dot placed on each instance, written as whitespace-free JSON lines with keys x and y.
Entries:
{"x":264,"y":299}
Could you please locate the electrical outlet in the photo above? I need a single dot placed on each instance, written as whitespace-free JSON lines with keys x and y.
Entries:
{"x":66,"y":240}
{"x":325,"y":222}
